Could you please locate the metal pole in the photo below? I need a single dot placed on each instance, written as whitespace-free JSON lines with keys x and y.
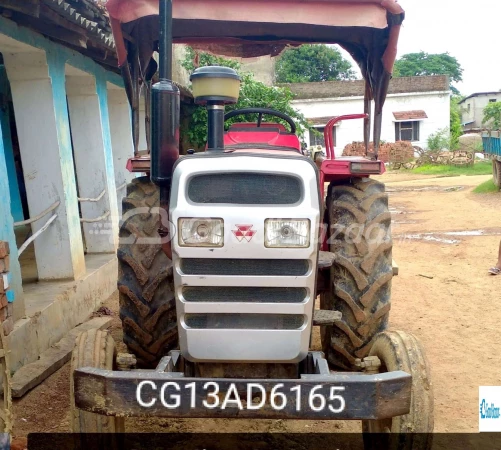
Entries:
{"x":165,"y":43}
{"x":367,"y":120}
{"x":215,"y":126}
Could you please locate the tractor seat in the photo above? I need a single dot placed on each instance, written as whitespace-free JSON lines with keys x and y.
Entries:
{"x":272,"y":135}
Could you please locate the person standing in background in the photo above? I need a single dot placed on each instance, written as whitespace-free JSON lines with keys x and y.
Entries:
{"x":496,"y":270}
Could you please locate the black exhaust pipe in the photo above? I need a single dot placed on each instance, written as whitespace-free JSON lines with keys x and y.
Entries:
{"x":215,"y":126}
{"x":165,"y":107}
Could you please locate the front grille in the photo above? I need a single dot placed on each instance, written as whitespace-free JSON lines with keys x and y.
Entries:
{"x":244,"y":321}
{"x":244,"y":294}
{"x":245,"y":188}
{"x":245,"y":267}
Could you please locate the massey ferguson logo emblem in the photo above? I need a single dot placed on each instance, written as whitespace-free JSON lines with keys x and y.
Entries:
{"x":244,"y":232}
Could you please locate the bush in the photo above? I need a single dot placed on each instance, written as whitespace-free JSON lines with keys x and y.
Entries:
{"x":440,"y":140}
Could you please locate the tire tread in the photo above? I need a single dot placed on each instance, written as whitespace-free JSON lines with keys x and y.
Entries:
{"x":145,"y":278}
{"x":362,"y":271}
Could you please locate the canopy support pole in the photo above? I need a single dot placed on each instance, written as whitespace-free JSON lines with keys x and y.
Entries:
{"x":367,"y":120}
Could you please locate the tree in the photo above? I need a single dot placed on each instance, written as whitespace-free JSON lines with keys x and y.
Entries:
{"x":309,"y":63}
{"x":418,"y":64}
{"x":492,"y":114}
{"x":456,"y":129}
{"x":252,"y":94}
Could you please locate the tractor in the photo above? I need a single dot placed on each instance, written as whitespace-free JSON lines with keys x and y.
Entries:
{"x":229,"y":257}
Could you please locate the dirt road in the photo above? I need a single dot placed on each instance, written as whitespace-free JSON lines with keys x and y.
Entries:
{"x":445,"y":239}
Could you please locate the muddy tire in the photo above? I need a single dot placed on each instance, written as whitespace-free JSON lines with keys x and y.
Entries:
{"x":496,"y":171}
{"x":402,"y":351}
{"x":145,"y":278}
{"x":93,"y":348}
{"x":360,"y":278}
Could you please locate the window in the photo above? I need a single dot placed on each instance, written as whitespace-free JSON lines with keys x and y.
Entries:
{"x":407,"y":131}
{"x":469,"y":107}
{"x":318,"y":139}
{"x":492,"y":100}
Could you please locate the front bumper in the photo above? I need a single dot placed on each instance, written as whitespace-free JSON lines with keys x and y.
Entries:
{"x":115,"y":393}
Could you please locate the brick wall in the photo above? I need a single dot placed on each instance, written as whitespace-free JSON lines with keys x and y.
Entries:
{"x":400,"y":151}
{"x":398,"y":85}
{"x":6,"y":294}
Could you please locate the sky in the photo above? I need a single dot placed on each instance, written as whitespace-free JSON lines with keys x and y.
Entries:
{"x":469,"y":30}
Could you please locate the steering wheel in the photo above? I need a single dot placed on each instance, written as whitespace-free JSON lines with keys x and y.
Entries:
{"x":262,"y":112}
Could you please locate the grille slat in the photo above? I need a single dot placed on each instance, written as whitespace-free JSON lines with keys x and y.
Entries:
{"x":245,"y":188}
{"x":244,"y":321}
{"x":244,"y":294}
{"x":244,"y":267}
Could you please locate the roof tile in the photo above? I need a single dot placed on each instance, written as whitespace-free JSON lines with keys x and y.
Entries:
{"x":410,"y":115}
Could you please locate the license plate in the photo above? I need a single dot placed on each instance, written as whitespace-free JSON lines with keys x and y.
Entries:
{"x":214,"y":395}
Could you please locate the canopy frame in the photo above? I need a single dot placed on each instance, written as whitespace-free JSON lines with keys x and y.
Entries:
{"x":367,"y":29}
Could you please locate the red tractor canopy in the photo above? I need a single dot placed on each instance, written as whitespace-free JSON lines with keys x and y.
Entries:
{"x":367,"y":29}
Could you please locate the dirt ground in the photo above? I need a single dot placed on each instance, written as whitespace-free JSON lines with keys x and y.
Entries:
{"x":445,"y":239}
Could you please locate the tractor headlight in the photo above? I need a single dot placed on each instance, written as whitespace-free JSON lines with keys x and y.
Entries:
{"x":287,"y":233}
{"x":197,"y":232}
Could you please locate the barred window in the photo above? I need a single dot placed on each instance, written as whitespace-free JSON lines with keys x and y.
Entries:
{"x":407,"y":131}
{"x":318,"y":138}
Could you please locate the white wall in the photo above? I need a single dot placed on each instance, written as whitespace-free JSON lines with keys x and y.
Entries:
{"x":435,"y":104}
{"x":472,"y":110}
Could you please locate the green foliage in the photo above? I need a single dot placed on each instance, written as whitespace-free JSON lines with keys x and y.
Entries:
{"x":309,"y":63}
{"x":455,"y":122}
{"x":442,"y":170}
{"x":252,"y":94}
{"x":206,"y":59}
{"x":418,"y":64}
{"x":492,"y":115}
{"x":440,"y":140}
{"x":486,"y":188}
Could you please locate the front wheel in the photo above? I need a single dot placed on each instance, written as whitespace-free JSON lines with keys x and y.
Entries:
{"x":402,"y":351}
{"x":93,"y":348}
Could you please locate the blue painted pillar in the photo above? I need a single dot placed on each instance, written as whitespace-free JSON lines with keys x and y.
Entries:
{"x":121,"y":139}
{"x":102,"y":94}
{"x":37,"y":81}
{"x":15,"y":196}
{"x":90,"y":130}
{"x":7,"y":234}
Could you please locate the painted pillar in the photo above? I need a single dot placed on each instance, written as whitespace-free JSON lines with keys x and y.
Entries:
{"x":37,"y":81}
{"x":121,"y":139}
{"x":15,"y":196}
{"x":7,"y":234}
{"x":88,"y":107}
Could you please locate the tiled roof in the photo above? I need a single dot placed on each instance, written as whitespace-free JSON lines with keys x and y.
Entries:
{"x":410,"y":115}
{"x":401,"y":85}
{"x":82,"y":25}
{"x":316,"y":121}
{"x":87,"y":14}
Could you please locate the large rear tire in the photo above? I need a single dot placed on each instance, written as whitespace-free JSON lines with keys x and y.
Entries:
{"x":402,"y":351}
{"x":360,"y":278}
{"x":93,"y":348}
{"x":145,"y":278}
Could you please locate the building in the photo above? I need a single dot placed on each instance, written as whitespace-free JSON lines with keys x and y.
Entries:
{"x":472,"y":109}
{"x":65,"y":138}
{"x":262,"y":67}
{"x":415,"y":108}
